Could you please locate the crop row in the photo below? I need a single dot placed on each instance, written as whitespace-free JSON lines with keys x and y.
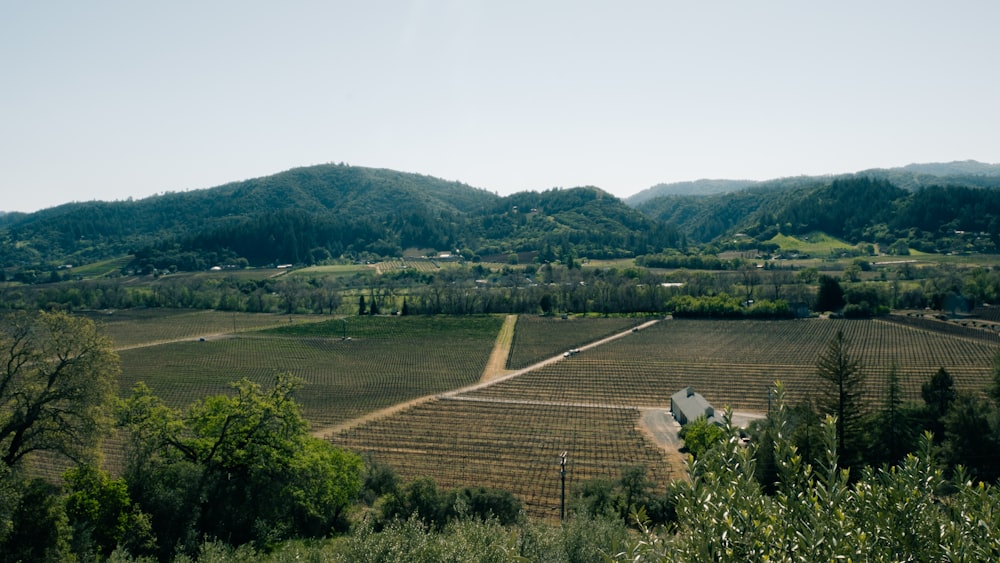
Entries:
{"x":137,"y":327}
{"x":537,"y":338}
{"x":515,"y":447}
{"x":418,"y":264}
{"x":342,"y":379}
{"x":735,"y":362}
{"x":977,"y":329}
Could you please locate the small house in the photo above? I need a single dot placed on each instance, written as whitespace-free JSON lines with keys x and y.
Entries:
{"x":687,"y":405}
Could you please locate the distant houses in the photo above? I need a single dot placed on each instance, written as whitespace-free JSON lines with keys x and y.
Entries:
{"x":687,"y":405}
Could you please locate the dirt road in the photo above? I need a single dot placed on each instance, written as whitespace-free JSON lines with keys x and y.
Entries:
{"x":492,"y":374}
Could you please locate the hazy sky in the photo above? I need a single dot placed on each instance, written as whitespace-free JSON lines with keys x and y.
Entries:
{"x":110,"y":100}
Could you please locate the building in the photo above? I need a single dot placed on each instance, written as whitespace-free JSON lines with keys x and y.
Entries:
{"x":687,"y":405}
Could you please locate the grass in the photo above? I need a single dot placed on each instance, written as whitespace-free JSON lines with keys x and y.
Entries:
{"x":814,"y":243}
{"x":103,"y":268}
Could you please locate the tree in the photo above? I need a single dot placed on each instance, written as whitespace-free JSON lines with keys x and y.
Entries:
{"x":830,"y":296}
{"x":241,"y":468}
{"x":845,"y":385}
{"x":994,"y":390}
{"x":700,"y":435}
{"x":56,"y":387}
{"x":101,"y":514}
{"x":893,"y":428}
{"x":971,"y":437}
{"x":750,"y":277}
{"x":938,"y":394}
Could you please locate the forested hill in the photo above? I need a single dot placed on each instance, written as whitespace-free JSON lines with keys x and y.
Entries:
{"x":967,"y":173}
{"x":958,"y":214}
{"x":307,"y":215}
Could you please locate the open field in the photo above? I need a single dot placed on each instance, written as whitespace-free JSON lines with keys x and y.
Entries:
{"x":815,"y":243}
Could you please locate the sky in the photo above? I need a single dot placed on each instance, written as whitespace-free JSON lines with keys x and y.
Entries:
{"x":110,"y":100}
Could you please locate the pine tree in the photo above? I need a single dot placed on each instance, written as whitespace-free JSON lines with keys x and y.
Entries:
{"x":843,"y":396}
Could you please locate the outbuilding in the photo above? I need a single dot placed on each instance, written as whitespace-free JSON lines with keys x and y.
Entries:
{"x":687,"y":405}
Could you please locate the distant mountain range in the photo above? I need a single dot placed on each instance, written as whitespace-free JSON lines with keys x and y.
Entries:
{"x":911,"y":176}
{"x":312,"y":214}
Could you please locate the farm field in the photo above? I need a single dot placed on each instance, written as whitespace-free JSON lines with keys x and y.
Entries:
{"x":509,"y":434}
{"x":515,"y":447}
{"x":734,"y":362}
{"x":537,"y":338}
{"x":130,"y":328}
{"x":386,"y":360}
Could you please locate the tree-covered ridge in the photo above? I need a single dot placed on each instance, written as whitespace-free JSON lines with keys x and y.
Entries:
{"x":339,"y":195}
{"x":934,"y":218}
{"x":310,"y":215}
{"x":581,"y":222}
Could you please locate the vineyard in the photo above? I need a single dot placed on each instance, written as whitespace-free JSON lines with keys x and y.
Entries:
{"x":416,"y":264}
{"x":734,"y":363}
{"x":349,"y":366}
{"x":515,"y":447}
{"x":537,"y":338}
{"x":510,"y":434}
{"x":130,"y":328}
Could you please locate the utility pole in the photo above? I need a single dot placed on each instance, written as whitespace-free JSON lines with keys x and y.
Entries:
{"x":562,"y":479}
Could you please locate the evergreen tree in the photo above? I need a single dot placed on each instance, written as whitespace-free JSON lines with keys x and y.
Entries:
{"x":843,"y":394}
{"x":830,"y":296}
{"x":938,"y":394}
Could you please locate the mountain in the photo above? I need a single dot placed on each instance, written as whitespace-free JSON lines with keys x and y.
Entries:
{"x":697,"y":187}
{"x":307,"y":215}
{"x":950,"y":214}
{"x":969,"y":173}
{"x":954,"y":168}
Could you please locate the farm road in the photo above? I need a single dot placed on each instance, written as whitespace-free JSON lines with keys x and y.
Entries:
{"x":172,"y":341}
{"x":491,"y":375}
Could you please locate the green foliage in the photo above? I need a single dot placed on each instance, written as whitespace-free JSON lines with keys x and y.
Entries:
{"x":899,"y":513}
{"x":842,"y":394}
{"x":723,"y":305}
{"x":435,"y":508}
{"x":56,"y":387}
{"x":633,"y":492}
{"x":938,"y":394}
{"x":40,"y":530}
{"x":829,"y":296}
{"x":101,"y":514}
{"x":240,"y":467}
{"x":700,"y":435}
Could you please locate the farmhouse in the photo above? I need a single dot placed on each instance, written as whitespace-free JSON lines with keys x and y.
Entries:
{"x":687,"y":405}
